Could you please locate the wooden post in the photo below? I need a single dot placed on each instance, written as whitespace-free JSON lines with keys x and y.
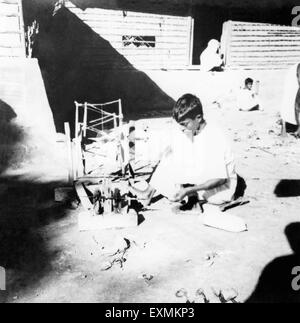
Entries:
{"x":121,"y":138}
{"x":69,"y":152}
{"x":76,"y":119}
{"x":115,"y":122}
{"x":121,"y":152}
{"x":80,"y":170}
{"x":74,"y":158}
{"x":121,"y":116}
{"x":85,"y":120}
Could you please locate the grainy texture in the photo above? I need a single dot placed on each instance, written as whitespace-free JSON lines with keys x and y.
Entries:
{"x":56,"y":263}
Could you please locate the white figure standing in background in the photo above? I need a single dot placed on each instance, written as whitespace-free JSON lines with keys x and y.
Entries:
{"x":210,"y":59}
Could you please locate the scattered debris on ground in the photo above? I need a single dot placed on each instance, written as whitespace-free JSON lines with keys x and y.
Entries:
{"x":225,"y":296}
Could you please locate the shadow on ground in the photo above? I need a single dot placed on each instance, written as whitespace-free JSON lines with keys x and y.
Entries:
{"x":25,"y":208}
{"x":288,"y":188}
{"x":11,"y":136}
{"x":278,"y":282}
{"x":290,"y":128}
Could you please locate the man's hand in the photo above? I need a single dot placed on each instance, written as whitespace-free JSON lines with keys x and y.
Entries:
{"x":180,"y":195}
{"x":209,"y":185}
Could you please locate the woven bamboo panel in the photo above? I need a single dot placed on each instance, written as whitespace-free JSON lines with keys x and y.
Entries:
{"x":144,"y":40}
{"x":260,"y":46}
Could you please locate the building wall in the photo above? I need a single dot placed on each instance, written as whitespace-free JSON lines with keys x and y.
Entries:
{"x":260,"y":46}
{"x":145,"y":40}
{"x":27,"y":130}
{"x":12,"y":42}
{"x":26,"y":122}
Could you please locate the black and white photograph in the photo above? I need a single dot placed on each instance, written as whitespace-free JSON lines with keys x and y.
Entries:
{"x":150,"y":154}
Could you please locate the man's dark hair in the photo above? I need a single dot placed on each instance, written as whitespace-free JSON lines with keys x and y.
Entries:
{"x":188,"y":106}
{"x":249,"y":81}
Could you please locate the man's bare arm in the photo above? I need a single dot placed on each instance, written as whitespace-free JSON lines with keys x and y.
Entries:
{"x":209,"y":185}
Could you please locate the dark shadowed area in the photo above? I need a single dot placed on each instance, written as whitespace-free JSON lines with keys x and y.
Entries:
{"x":276,"y":281}
{"x":288,"y":188}
{"x":11,"y":152}
{"x":25,"y":209}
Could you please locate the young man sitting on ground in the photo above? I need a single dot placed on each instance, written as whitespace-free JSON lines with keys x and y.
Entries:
{"x":247,"y":99}
{"x":199,"y":161}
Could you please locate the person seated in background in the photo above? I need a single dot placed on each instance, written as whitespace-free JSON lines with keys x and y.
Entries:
{"x":210,"y":59}
{"x":247,"y":98}
{"x":199,"y":161}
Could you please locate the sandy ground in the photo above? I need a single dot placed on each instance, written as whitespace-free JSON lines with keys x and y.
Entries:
{"x":48,"y":260}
